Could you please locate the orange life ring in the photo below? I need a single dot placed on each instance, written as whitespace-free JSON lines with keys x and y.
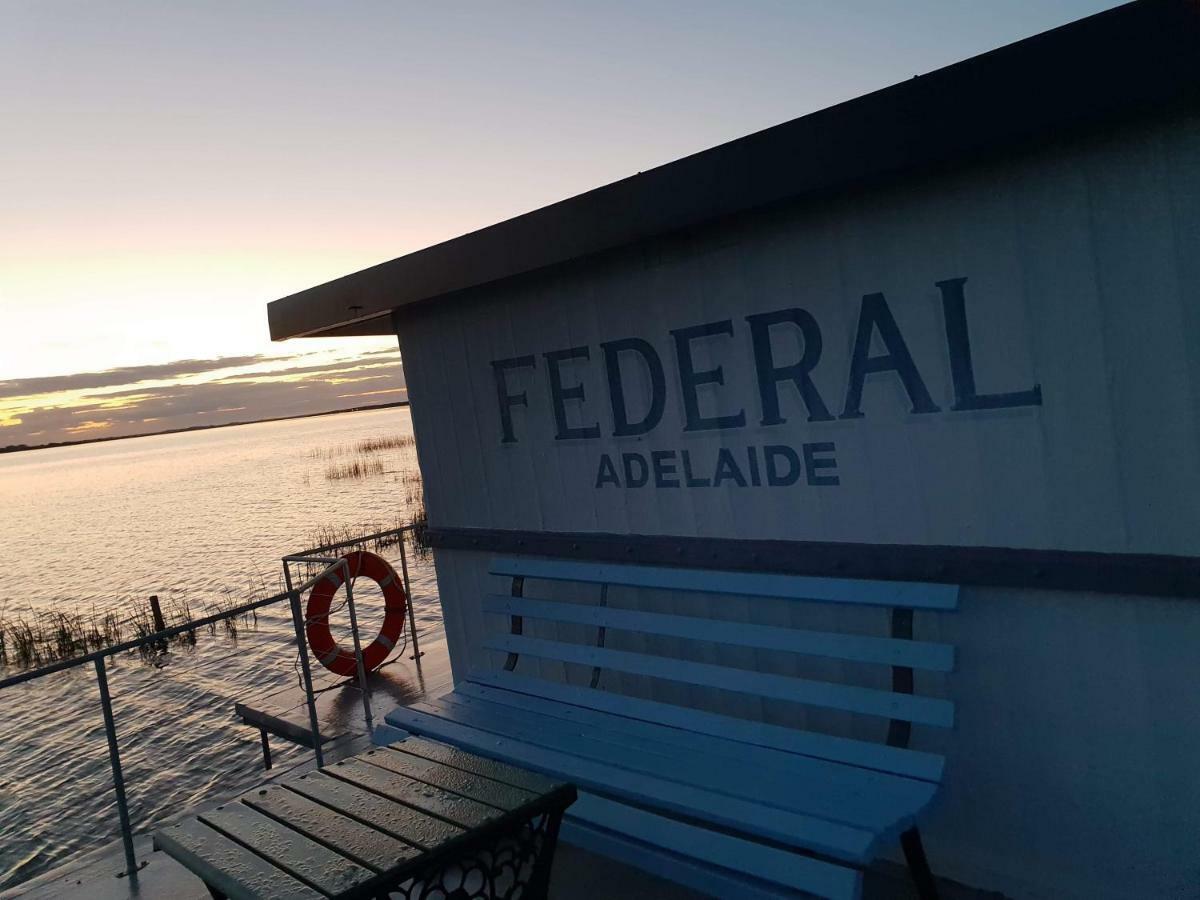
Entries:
{"x":320,"y":639}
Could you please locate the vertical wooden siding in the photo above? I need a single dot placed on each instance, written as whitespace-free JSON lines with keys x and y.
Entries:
{"x":1083,"y":273}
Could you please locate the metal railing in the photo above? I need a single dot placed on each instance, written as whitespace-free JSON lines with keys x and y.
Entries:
{"x":332,"y":563}
{"x":292,"y":595}
{"x":97,"y":658}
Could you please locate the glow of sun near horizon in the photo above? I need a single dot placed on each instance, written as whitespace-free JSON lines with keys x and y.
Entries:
{"x":168,"y":168}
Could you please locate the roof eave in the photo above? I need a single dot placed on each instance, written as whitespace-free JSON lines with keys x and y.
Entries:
{"x":1130,"y":61}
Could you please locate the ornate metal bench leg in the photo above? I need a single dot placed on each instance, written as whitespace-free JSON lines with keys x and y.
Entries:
{"x":918,"y":865}
{"x":539,"y":881}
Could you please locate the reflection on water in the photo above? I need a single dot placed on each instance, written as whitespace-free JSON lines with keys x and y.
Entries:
{"x":203,"y":516}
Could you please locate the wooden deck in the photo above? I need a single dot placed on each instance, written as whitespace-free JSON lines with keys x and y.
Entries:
{"x":577,"y":875}
{"x":340,"y":717}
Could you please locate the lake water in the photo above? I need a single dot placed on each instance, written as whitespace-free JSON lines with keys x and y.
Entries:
{"x":200,"y":518}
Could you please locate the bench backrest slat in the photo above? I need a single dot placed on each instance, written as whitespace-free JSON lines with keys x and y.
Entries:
{"x":911,"y":595}
{"x":572,"y":625}
{"x":885,"y":651}
{"x":886,"y":704}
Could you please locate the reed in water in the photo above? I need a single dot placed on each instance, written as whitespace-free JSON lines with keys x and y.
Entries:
{"x":367,"y":445}
{"x":358,"y":468}
{"x":40,"y":637}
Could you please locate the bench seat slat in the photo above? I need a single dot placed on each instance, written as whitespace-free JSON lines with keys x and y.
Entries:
{"x":675,"y":736}
{"x":884,"y":804}
{"x":817,"y":877}
{"x":228,"y":866}
{"x":885,"y":651}
{"x":792,"y":829}
{"x":913,"y":595}
{"x":567,"y":698}
{"x":886,"y":704}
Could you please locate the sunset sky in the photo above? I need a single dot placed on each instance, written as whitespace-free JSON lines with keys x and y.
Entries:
{"x":168,"y":168}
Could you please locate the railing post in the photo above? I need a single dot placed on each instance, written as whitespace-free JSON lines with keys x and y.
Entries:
{"x":114,"y":758}
{"x":358,"y":657}
{"x":412,"y":621}
{"x":305,"y":671}
{"x":159,"y":623}
{"x":156,"y":611}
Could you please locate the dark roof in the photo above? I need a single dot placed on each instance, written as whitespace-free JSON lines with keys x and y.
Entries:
{"x":1136,"y":60}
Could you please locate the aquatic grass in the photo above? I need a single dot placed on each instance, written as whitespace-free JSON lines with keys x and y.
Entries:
{"x":357,"y":537}
{"x":367,"y":445}
{"x":387,"y":442}
{"x":42,"y":637}
{"x":50,"y":636}
{"x":229,"y":625}
{"x":420,"y":531}
{"x":375,"y":536}
{"x":357,"y":469}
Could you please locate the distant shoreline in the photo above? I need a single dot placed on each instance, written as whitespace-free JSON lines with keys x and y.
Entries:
{"x":21,"y":448}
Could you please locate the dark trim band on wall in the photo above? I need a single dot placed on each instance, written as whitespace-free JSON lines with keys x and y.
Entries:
{"x":1108,"y":573}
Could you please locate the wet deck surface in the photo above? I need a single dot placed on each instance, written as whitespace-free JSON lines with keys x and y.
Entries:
{"x":340,"y":713}
{"x":578,"y":875}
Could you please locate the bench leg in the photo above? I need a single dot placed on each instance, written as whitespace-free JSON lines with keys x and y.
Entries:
{"x":918,"y":865}
{"x":266,"y":747}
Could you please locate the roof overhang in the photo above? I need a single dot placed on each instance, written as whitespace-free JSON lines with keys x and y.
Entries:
{"x":1137,"y":60}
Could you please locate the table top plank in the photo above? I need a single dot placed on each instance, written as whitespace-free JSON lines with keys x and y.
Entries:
{"x":301,"y":857}
{"x":362,"y":843}
{"x":476,"y":787}
{"x":227,"y":866}
{"x":360,"y":827}
{"x":478,"y":765}
{"x":395,"y":819}
{"x":417,"y":794}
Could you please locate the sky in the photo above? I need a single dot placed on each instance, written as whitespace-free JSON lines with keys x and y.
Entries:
{"x":166,"y":169}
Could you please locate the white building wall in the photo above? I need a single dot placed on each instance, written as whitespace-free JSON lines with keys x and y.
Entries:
{"x":1072,"y":768}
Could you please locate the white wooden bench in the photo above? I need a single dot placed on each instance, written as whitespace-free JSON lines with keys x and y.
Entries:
{"x":729,"y":805}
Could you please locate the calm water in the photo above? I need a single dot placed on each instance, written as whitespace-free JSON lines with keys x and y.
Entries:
{"x":204,"y":518}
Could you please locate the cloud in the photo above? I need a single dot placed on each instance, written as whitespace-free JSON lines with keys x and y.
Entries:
{"x":293,"y":373}
{"x":27,"y":387}
{"x":144,"y":406}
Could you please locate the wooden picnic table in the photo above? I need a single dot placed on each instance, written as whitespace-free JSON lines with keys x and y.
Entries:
{"x":416,"y":819}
